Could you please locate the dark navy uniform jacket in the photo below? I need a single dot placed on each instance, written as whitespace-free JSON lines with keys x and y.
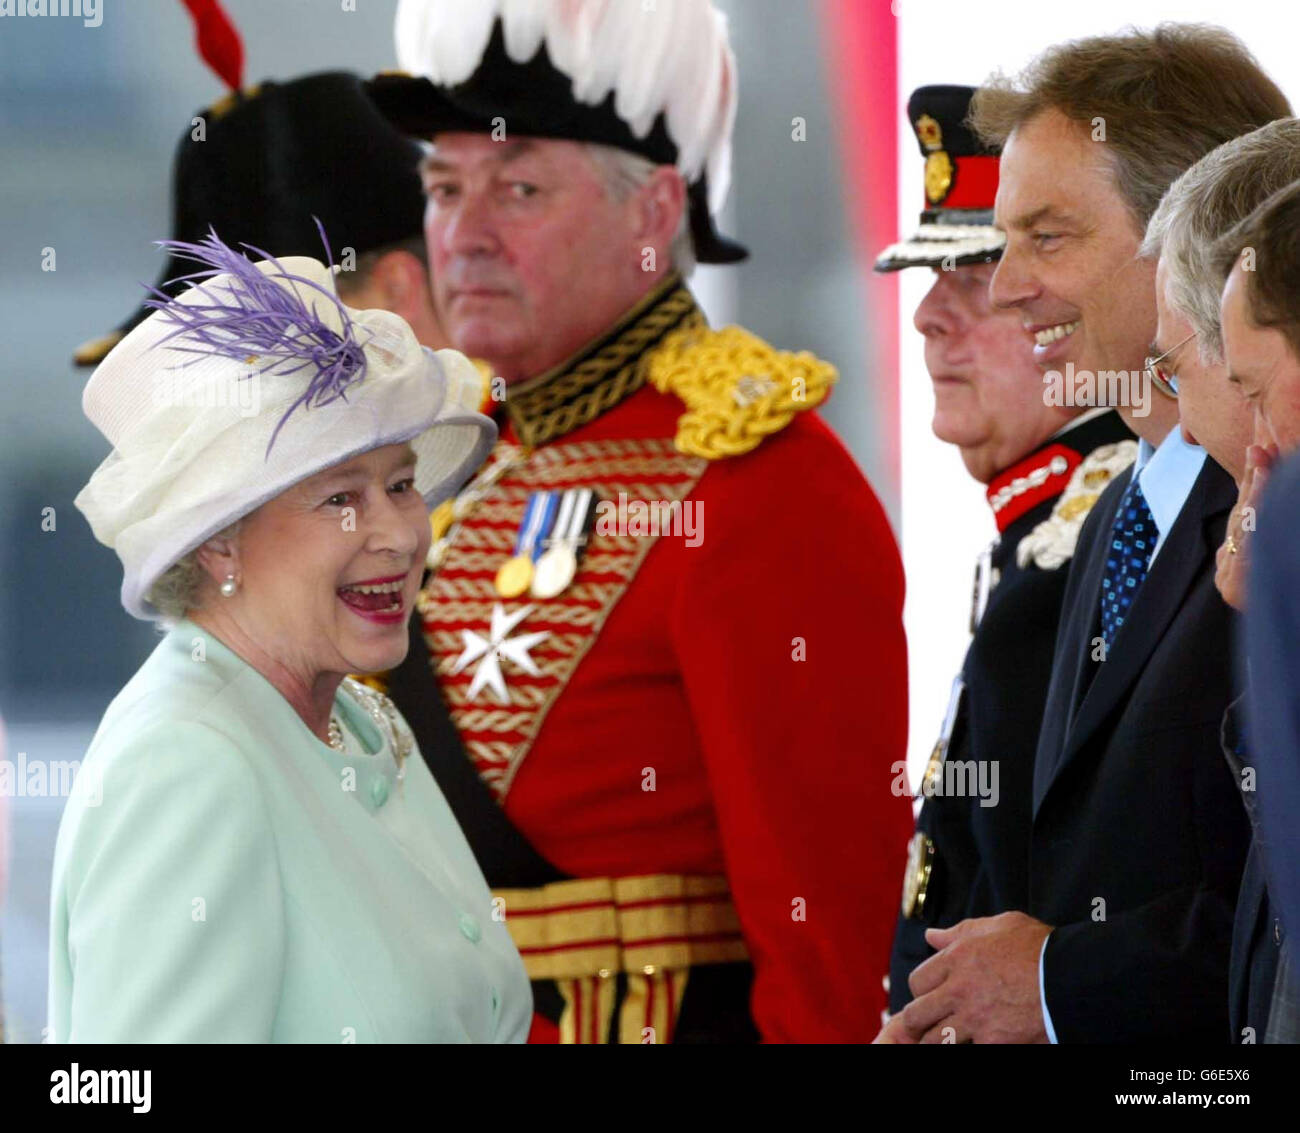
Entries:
{"x":980,"y":867}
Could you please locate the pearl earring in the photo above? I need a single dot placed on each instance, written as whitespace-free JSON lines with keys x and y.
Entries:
{"x":229,"y":587}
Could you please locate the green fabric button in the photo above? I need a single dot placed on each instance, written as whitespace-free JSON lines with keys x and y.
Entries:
{"x":379,"y":792}
{"x":469,"y":927}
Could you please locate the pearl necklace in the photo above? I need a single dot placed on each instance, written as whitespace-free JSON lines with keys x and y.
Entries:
{"x":383,"y":712}
{"x":335,"y":733}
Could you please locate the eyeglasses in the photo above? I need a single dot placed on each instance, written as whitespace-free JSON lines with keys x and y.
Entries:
{"x":1165,"y":380}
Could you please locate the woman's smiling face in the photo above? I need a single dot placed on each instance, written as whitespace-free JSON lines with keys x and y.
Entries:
{"x":329,"y":570}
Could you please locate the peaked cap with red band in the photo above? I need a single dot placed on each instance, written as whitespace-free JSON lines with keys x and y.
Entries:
{"x":961,"y":182}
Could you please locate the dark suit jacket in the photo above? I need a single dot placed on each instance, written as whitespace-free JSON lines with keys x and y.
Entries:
{"x":981,"y":864}
{"x":1256,"y":931}
{"x":1139,"y":836}
{"x":1273,"y":649}
{"x":1256,"y":949}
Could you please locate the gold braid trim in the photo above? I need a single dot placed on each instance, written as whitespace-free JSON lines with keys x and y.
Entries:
{"x":468,"y":589}
{"x":605,"y":452}
{"x":594,"y":563}
{"x":736,"y":387}
{"x":668,"y":465}
{"x":493,"y":720}
{"x":579,"y":391}
{"x":560,"y":644}
{"x":1051,"y":544}
{"x":525,"y":696}
{"x":495,"y":751}
{"x":489,"y":538}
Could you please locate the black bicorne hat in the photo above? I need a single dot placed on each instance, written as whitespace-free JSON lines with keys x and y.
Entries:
{"x":270,"y":158}
{"x":961,"y":182}
{"x":536,"y":99}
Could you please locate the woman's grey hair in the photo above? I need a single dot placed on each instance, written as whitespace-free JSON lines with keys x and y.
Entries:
{"x":179,"y":588}
{"x":1219,"y":191}
{"x":626,"y":172}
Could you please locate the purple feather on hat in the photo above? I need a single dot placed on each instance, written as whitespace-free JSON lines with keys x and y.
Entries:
{"x":256,"y":316}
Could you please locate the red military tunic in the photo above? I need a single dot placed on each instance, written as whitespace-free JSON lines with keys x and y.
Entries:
{"x":734,"y":709}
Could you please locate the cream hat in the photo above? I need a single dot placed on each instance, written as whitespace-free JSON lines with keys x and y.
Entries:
{"x":248,"y":383}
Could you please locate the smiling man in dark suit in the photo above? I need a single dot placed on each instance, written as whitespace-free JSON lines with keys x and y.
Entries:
{"x":1043,"y":467}
{"x":1138,"y":835}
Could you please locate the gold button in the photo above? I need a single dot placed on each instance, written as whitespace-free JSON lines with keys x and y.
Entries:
{"x":604,"y":973}
{"x":648,"y":970}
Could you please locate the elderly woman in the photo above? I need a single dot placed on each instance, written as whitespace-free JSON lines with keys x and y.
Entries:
{"x":261,"y":854}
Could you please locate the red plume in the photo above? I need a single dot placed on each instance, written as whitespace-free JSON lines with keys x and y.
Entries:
{"x":218,"y":41}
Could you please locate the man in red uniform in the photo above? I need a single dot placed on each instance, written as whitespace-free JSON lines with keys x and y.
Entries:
{"x":665,"y":619}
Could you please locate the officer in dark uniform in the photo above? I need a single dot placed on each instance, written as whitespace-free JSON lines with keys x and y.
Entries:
{"x":1044,"y":467}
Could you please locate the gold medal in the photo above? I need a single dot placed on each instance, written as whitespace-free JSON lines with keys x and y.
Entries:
{"x":934,"y":770}
{"x":517,"y":572}
{"x":514,"y":576}
{"x":555,"y":570}
{"x":916,"y":880}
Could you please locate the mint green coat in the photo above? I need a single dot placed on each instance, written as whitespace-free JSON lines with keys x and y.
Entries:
{"x":221,"y":875}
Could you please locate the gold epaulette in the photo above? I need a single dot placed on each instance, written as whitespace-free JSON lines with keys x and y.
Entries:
{"x":737,"y":389}
{"x":1051,"y":544}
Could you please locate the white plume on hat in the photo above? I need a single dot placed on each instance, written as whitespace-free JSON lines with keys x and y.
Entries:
{"x":192,"y":452}
{"x":657,"y":56}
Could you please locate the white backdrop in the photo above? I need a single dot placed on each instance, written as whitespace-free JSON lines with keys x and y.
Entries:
{"x":945,"y":518}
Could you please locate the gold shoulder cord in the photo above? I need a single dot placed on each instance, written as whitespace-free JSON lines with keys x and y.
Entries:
{"x":737,"y":389}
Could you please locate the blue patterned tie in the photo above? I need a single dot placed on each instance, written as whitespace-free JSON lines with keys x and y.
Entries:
{"x":1132,"y":540}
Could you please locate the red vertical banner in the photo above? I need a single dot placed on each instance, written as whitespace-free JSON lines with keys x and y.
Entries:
{"x":860,"y":45}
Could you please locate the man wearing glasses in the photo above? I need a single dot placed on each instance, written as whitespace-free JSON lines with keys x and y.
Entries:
{"x":1218,"y":192}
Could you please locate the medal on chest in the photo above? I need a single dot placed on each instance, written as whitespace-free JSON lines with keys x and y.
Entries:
{"x":516,"y":573}
{"x":525,"y":575}
{"x":551,"y":538}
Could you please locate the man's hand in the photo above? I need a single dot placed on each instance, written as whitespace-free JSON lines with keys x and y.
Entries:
{"x":1232,"y":560}
{"x":982,"y":986}
{"x":893,"y":1031}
